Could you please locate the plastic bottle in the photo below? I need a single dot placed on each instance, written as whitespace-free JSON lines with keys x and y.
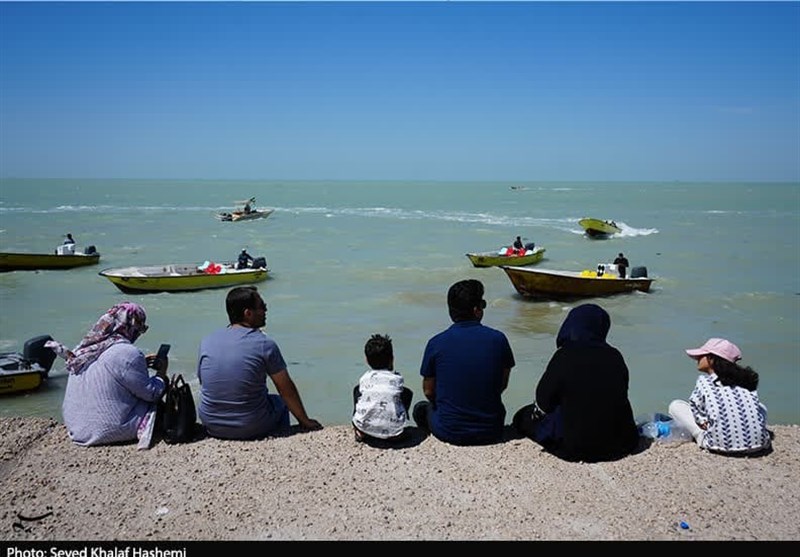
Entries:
{"x":664,"y":431}
{"x":649,"y":429}
{"x":670,"y":432}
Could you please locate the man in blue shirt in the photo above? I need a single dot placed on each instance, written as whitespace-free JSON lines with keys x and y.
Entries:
{"x":465,"y":370}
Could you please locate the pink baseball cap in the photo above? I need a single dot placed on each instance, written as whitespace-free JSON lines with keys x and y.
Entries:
{"x":719,"y":347}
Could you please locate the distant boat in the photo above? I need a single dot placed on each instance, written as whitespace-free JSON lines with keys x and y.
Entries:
{"x":549,"y":283}
{"x":246,"y":210}
{"x":63,"y":258}
{"x":506,"y":256}
{"x":597,"y":228}
{"x":184,"y":277}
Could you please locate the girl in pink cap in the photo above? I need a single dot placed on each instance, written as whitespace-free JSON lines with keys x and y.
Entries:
{"x":724,"y":414}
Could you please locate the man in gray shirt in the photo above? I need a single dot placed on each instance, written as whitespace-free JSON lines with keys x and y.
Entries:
{"x":233,"y":366}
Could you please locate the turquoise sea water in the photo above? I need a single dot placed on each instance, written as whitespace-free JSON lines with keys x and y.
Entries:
{"x":348,"y":259}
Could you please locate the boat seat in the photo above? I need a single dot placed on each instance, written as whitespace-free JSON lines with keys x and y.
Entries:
{"x":9,"y":363}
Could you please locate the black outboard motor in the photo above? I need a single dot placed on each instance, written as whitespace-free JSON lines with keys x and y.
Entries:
{"x":89,"y":250}
{"x":260,"y":263}
{"x":35,"y":351}
{"x":639,"y":272}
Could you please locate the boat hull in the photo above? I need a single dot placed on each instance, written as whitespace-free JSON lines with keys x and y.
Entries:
{"x":547,"y":283}
{"x":20,"y":382}
{"x":10,"y":261}
{"x":597,"y":228}
{"x":179,"y":278}
{"x":494,"y":259}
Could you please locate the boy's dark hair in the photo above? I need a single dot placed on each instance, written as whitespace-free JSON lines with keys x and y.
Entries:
{"x":462,"y":299}
{"x":240,"y":299}
{"x":733,"y":375}
{"x":379,"y":351}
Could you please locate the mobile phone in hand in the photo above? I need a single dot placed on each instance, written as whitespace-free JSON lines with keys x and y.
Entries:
{"x":161,"y":357}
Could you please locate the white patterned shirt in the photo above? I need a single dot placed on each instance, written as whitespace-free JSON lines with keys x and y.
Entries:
{"x":379,"y":411}
{"x":734,"y":418}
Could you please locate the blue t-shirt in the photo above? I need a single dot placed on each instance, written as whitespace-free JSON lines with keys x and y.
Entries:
{"x":468,"y":360}
{"x":233,"y":366}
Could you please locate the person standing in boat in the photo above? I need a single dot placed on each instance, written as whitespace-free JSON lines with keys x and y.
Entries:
{"x":244,"y":259}
{"x":622,"y":265}
{"x":69,"y":240}
{"x":248,"y":207}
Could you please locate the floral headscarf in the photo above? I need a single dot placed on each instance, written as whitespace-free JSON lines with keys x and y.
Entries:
{"x":124,"y":322}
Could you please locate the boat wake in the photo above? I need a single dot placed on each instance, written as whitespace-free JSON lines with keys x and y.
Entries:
{"x":629,"y":232}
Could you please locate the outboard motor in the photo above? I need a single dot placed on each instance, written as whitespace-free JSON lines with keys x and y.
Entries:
{"x":639,"y":272}
{"x":530,"y":246}
{"x":90,"y":250}
{"x":35,"y":351}
{"x":260,"y":263}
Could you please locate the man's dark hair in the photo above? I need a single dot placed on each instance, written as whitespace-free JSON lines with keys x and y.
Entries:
{"x":240,"y":299}
{"x":379,"y":351}
{"x":462,"y":299}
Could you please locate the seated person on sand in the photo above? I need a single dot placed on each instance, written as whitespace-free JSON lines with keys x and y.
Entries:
{"x":465,"y":370}
{"x":724,"y":414}
{"x":233,"y":366}
{"x":581,"y":411}
{"x":380,"y":400}
{"x":110,"y":395}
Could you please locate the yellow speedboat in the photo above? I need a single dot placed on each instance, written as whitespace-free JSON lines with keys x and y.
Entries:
{"x":597,"y":228}
{"x":28,"y":370}
{"x":183,"y":277}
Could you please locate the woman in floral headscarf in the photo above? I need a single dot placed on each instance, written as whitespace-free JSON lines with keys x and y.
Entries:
{"x":110,"y":395}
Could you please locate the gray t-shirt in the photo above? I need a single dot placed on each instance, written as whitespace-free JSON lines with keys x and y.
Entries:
{"x":233,"y":366}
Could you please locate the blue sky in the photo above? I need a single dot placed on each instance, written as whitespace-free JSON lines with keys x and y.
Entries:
{"x":401,"y":90}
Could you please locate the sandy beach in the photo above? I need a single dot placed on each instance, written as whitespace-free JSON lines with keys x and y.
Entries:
{"x":324,"y":486}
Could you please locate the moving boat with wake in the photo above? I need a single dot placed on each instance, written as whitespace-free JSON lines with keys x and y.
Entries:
{"x":596,"y":228}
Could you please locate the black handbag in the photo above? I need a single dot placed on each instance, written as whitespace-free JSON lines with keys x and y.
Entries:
{"x":180,"y":415}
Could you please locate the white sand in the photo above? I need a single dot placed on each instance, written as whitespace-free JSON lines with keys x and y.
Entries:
{"x":324,"y":486}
